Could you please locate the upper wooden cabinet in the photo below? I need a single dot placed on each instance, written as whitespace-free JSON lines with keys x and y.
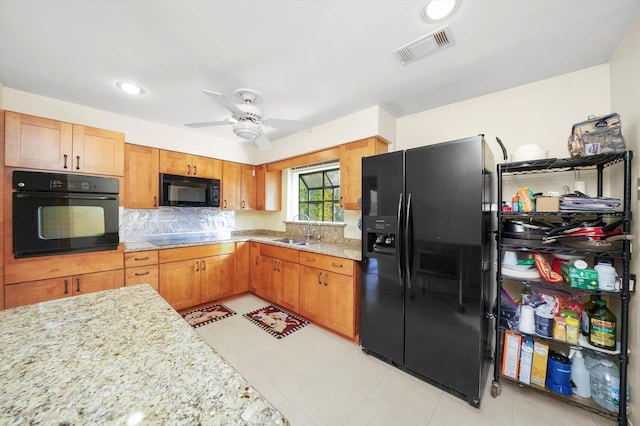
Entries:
{"x":141,"y":177}
{"x":268,"y":189}
{"x":351,"y":169}
{"x":181,"y":164}
{"x":41,"y":143}
{"x":248,"y":187}
{"x":231,"y":185}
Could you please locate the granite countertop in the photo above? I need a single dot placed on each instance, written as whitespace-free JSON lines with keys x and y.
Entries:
{"x":321,"y":247}
{"x":121,"y":356}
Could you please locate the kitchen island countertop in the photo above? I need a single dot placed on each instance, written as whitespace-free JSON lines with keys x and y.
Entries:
{"x":121,"y":356}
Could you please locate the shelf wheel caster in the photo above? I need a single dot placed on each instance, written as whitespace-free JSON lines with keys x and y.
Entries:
{"x":496,"y":388}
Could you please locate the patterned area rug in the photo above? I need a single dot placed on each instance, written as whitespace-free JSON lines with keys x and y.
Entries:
{"x":276,"y":321}
{"x":207,"y":315}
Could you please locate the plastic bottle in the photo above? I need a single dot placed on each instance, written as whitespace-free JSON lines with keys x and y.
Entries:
{"x":586,"y":313}
{"x":605,"y":385}
{"x":602,"y":326}
{"x":515,"y":204}
{"x":580,"y":375}
{"x":607,"y":274}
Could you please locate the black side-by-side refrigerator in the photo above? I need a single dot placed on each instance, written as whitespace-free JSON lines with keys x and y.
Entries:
{"x":426,"y":264}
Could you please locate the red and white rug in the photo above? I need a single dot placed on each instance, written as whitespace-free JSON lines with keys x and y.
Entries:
{"x":207,"y":315}
{"x":276,"y":321}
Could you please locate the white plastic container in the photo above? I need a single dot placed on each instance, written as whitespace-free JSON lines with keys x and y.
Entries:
{"x":580,"y":375}
{"x":605,"y":385}
{"x":607,"y":275}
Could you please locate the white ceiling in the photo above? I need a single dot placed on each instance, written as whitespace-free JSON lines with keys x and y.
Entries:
{"x":312,"y":60}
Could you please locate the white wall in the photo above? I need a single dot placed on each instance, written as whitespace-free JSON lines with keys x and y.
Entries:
{"x":136,"y":131}
{"x":359,"y":125}
{"x":538,"y":113}
{"x":625,"y":99}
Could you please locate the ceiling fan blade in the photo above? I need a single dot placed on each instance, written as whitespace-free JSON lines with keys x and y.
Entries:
{"x":286,"y":124}
{"x":222,"y":100}
{"x":209,"y":123}
{"x":262,"y":142}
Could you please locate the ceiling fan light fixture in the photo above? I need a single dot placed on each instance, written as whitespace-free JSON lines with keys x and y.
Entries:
{"x":437,"y":10}
{"x":247,"y":129}
{"x":130,"y":88}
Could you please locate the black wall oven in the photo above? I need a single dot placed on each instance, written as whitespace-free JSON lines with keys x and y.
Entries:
{"x":56,"y":213}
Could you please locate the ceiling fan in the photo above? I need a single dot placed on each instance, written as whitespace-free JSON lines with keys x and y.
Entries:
{"x":247,"y":118}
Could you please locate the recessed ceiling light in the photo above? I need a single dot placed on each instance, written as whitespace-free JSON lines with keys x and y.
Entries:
{"x":437,"y":10}
{"x":130,"y":88}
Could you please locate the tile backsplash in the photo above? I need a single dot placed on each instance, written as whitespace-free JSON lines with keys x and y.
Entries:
{"x":139,"y":224}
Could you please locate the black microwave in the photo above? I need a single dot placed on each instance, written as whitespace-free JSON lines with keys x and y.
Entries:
{"x":188,"y":191}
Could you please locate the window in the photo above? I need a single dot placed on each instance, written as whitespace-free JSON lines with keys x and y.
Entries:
{"x":318,"y":190}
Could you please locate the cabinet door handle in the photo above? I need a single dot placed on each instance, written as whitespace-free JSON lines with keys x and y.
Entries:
{"x":197,"y":266}
{"x":77,"y":162}
{"x":204,"y":265}
{"x":78,"y":285}
{"x":326,"y":277}
{"x":141,"y":274}
{"x":155,"y":201}
{"x":310,"y":259}
{"x":337,"y":265}
{"x":243,"y":204}
{"x":257,"y":258}
{"x":65,"y":161}
{"x":137,"y":259}
{"x":195,"y":170}
{"x":225,"y":204}
{"x":66,"y":286}
{"x":341,"y":206}
{"x":188,"y":169}
{"x":320,"y":278}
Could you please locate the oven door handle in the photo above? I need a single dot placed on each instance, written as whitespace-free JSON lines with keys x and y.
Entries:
{"x":74,"y":195}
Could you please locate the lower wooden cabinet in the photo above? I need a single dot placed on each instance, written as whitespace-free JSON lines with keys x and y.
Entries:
{"x":57,"y":288}
{"x":190,"y":276}
{"x":329,"y":291}
{"x":180,"y":283}
{"x":242,"y":261}
{"x":141,"y":268}
{"x":217,"y":277}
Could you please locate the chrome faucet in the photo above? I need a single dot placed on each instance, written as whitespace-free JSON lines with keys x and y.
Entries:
{"x":308,"y":233}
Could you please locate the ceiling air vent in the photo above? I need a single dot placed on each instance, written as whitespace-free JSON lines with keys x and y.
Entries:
{"x":424,"y":45}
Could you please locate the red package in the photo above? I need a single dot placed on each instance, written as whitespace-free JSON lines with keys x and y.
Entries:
{"x":545,"y":269}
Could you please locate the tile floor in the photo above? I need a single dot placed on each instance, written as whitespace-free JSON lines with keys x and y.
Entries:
{"x":316,"y":378}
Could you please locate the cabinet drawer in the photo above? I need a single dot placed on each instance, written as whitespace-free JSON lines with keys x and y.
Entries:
{"x":142,"y":275}
{"x":141,"y":258}
{"x":327,"y":263}
{"x":281,"y":253}
{"x":195,"y":252}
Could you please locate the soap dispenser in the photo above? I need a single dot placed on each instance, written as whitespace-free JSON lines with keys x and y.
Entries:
{"x":580,"y":376}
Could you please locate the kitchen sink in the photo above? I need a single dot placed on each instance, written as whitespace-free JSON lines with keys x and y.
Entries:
{"x":293,"y":241}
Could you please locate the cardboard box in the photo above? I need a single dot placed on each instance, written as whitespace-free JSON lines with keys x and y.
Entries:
{"x":579,"y":278}
{"x":539,"y":367}
{"x":526,"y":360}
{"x":547,"y":204}
{"x":511,"y":355}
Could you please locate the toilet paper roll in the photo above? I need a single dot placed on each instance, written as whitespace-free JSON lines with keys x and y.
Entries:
{"x":580,"y":186}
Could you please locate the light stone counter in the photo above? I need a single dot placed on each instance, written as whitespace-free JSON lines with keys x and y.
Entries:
{"x":117,"y":357}
{"x":332,"y":249}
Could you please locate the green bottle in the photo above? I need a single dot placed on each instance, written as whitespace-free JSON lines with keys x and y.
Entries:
{"x":586,"y":313}
{"x":602,"y":326}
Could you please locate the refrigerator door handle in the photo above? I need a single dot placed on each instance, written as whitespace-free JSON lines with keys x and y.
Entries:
{"x":407,"y":242}
{"x":399,"y":241}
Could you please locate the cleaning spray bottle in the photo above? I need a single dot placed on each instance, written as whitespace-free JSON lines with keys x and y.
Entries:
{"x":580,"y":375}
